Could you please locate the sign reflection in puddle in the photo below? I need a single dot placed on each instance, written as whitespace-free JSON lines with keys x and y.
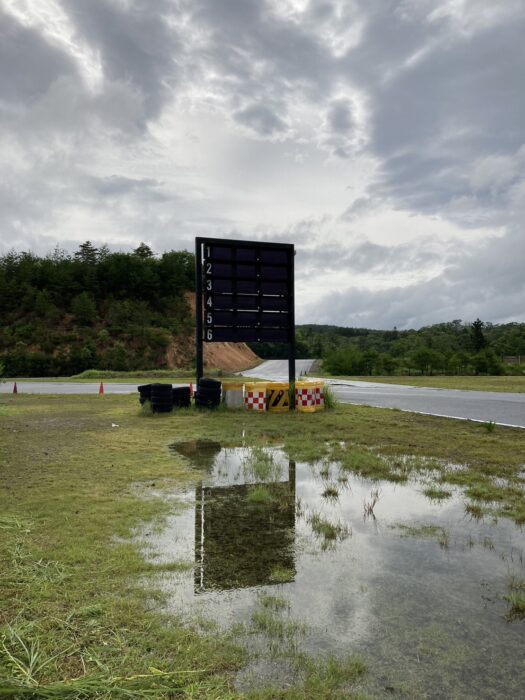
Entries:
{"x":418,"y":591}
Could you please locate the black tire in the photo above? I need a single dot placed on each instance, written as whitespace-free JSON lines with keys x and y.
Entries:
{"x":201,"y":402}
{"x":182,"y":403}
{"x":144,"y":388}
{"x":208,"y":383}
{"x":161,"y":393}
{"x":162,"y":408}
{"x":181,"y":392}
{"x":181,"y":397}
{"x":209,"y":393}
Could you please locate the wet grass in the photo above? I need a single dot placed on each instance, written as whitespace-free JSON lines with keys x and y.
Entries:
{"x":70,"y":583}
{"x":281,"y":574}
{"x":331,"y":493}
{"x":437,"y":494}
{"x":260,"y":494}
{"x":515,"y":598}
{"x":433,"y":532}
{"x":327,"y":531}
{"x":259,"y":464}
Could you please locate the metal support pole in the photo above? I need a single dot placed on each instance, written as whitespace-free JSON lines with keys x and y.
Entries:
{"x":291,"y":344}
{"x":199,"y":365}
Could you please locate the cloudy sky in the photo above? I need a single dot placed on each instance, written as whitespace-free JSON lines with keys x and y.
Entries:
{"x":384,"y":138}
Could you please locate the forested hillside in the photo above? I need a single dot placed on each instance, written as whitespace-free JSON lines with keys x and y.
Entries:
{"x":451,"y":348}
{"x":62,"y":314}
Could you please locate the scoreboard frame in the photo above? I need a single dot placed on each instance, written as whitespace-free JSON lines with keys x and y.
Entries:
{"x":244,"y":292}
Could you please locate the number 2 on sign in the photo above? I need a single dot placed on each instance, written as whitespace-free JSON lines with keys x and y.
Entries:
{"x":208,"y":268}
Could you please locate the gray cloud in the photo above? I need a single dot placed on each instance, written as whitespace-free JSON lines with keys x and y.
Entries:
{"x":29,"y":63}
{"x":416,"y":104}
{"x":261,"y":119}
{"x":484,"y":281}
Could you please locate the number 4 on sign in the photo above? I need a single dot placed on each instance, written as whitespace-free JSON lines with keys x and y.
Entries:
{"x":209,"y":302}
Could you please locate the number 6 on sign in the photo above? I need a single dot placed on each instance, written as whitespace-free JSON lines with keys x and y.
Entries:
{"x":209,"y":334}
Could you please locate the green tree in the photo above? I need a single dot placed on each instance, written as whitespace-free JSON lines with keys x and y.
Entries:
{"x":87,"y":253}
{"x":477,"y":337}
{"x":143,"y":251}
{"x":84,"y":308}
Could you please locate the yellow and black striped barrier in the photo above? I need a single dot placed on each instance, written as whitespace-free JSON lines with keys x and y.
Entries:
{"x":278,"y":397}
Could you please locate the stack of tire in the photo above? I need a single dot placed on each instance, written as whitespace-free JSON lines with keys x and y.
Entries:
{"x":161,"y":398}
{"x":145,"y":393}
{"x":208,"y":394}
{"x":181,"y":397}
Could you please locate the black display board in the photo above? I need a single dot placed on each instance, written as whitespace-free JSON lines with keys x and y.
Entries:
{"x":244,"y":293}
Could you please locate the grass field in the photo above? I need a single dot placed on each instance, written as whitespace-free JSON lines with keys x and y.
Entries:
{"x":495,"y":383}
{"x":74,"y":621}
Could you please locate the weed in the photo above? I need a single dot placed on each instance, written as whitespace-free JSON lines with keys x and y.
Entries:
{"x":259,"y":464}
{"x":281,"y":574}
{"x":330,"y":399}
{"x":260,"y":494}
{"x":145,"y":410}
{"x":368,"y":506}
{"x":328,"y":531}
{"x":268,"y":623}
{"x":436,"y":494}
{"x":426,"y":531}
{"x":515,"y":597}
{"x":273,"y":602}
{"x":490,"y":426}
{"x":474,"y":510}
{"x":330,"y":492}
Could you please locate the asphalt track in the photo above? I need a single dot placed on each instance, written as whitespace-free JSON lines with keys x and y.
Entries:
{"x":498,"y":407}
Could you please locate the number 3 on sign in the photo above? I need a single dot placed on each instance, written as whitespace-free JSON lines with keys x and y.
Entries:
{"x":209,"y":334}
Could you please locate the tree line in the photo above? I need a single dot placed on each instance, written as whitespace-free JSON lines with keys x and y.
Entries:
{"x":61,"y":314}
{"x":64,"y":313}
{"x":455,"y":347}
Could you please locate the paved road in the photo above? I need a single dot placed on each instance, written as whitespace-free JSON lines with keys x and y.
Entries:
{"x":277,"y":370}
{"x":501,"y":408}
{"x":66,"y":388}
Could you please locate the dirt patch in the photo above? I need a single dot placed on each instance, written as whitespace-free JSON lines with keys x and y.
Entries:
{"x":231,"y":357}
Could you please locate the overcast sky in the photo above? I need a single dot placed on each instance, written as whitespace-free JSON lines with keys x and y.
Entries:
{"x":384,"y":138}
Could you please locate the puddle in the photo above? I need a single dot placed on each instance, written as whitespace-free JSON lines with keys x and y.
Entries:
{"x":415,"y":586}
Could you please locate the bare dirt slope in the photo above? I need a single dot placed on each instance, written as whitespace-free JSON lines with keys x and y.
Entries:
{"x":230,"y":357}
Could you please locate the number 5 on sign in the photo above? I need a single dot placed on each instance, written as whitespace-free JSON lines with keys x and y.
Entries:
{"x":209,"y":319}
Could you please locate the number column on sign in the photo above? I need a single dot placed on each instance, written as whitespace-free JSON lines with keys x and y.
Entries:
{"x":208,"y":290}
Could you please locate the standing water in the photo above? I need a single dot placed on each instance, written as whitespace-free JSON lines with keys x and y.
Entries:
{"x":338,"y":564}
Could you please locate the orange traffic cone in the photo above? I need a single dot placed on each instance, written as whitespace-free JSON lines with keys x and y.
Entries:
{"x":101,"y":389}
{"x":15,"y":389}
